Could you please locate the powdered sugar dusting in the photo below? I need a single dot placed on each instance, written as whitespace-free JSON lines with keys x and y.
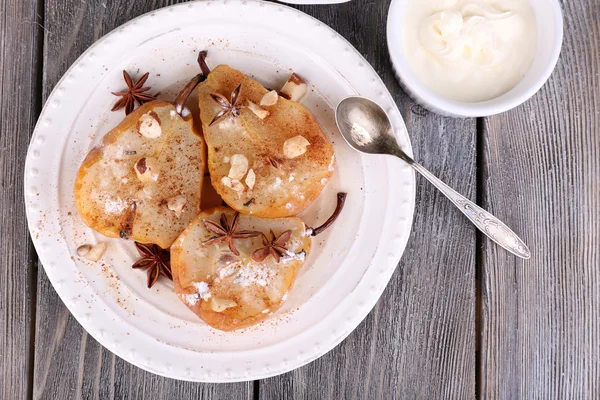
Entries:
{"x":290,"y":255}
{"x":190,"y":299}
{"x":203,"y":289}
{"x":254,"y":275}
{"x":227,"y":270}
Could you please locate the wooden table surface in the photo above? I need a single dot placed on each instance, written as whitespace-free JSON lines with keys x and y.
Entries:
{"x":460,"y":318}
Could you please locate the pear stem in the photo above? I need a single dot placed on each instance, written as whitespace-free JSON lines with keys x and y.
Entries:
{"x":202,"y":62}
{"x":186,"y":91}
{"x":341,"y":199}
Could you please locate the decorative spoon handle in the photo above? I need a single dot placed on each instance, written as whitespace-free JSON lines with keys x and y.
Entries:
{"x":483,"y":220}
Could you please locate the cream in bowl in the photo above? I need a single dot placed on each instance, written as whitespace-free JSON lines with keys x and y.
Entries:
{"x":473,"y":57}
{"x":469,"y":50}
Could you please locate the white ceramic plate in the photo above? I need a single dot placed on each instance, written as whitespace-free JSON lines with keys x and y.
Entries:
{"x":314,"y":1}
{"x":351,"y":263}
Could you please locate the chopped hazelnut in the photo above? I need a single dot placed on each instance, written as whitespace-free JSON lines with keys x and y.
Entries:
{"x":250,"y":178}
{"x":295,"y":88}
{"x":295,"y":146}
{"x":232,"y":184}
{"x":149,"y":125}
{"x":176,"y":204}
{"x":140,"y":166}
{"x":269,"y":99}
{"x":146,"y":169}
{"x":96,"y":252}
{"x":83,"y":250}
{"x":219,"y":305}
{"x":239,"y":166}
{"x":259,"y":112}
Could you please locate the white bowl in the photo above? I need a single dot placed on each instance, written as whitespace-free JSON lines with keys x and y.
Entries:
{"x":549,"y":36}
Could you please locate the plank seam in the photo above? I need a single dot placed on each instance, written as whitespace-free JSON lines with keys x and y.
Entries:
{"x":479,"y":182}
{"x":256,"y":390}
{"x":37,"y":109}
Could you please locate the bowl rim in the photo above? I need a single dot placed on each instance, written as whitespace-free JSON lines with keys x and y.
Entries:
{"x":425,"y":96}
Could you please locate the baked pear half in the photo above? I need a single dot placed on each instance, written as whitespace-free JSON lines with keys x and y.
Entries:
{"x":143,"y":181}
{"x":216,"y":275}
{"x":234,"y":270}
{"x":267,"y":155}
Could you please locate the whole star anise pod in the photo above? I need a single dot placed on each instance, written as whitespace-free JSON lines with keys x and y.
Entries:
{"x":228,"y":107}
{"x":135,"y":94}
{"x":156,"y":260}
{"x":276,"y":247}
{"x":226,"y":232}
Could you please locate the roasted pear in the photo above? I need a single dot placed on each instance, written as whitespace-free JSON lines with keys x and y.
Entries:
{"x":234,"y":270}
{"x":143,"y":182}
{"x":267,"y":155}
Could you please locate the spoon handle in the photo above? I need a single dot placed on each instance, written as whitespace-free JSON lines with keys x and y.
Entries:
{"x":483,"y":220}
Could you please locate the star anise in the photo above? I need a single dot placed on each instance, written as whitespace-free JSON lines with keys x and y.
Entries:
{"x":276,"y":247}
{"x":228,"y":107}
{"x":135,"y":94}
{"x":156,"y":260}
{"x":227,"y":232}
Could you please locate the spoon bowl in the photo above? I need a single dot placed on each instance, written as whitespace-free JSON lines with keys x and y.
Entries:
{"x":366,"y":127}
{"x":366,"y":124}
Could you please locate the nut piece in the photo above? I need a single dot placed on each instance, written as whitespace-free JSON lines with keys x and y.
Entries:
{"x":219,"y":305}
{"x":250,"y":178}
{"x":96,"y":252}
{"x":295,"y":146}
{"x":259,"y":112}
{"x":146,"y":169}
{"x":149,"y":125}
{"x":294,"y":89}
{"x":176,"y":204}
{"x":269,"y":99}
{"x":83,"y":250}
{"x":232,"y":184}
{"x":239,"y":166}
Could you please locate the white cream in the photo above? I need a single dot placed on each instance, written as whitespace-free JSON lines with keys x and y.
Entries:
{"x":469,"y":50}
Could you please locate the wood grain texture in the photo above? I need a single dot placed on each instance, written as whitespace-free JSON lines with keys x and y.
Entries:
{"x":69,"y":364}
{"x":419,"y":341}
{"x":19,"y":70}
{"x":541,"y":318}
{"x":72,"y":365}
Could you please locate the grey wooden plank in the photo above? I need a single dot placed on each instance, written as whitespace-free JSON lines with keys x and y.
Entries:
{"x":19,"y":89}
{"x":419,"y":340}
{"x":541,"y":318}
{"x":69,"y":363}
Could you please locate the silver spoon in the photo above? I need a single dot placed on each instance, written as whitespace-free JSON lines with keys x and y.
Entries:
{"x":367,"y":128}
